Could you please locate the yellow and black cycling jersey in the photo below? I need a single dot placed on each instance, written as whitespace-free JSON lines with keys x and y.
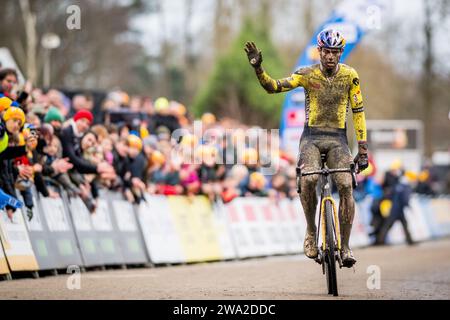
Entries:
{"x":327,"y":100}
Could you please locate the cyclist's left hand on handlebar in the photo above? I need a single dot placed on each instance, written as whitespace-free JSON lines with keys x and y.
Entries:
{"x":363,"y":159}
{"x":254,"y":54}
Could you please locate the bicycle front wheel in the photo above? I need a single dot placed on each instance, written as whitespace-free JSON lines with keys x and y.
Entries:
{"x":330,"y":258}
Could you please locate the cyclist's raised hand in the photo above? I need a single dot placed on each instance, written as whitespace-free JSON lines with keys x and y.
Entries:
{"x":254,"y":54}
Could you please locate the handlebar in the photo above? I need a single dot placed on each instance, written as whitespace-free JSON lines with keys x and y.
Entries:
{"x":325,"y":171}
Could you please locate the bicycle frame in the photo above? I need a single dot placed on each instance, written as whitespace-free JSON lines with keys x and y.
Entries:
{"x":329,"y":226}
{"x":325,"y":195}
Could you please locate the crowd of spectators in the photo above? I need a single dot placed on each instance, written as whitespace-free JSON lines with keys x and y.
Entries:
{"x":138,"y":145}
{"x":133,"y":145}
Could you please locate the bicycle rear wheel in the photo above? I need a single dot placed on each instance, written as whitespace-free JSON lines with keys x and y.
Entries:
{"x":330,"y":258}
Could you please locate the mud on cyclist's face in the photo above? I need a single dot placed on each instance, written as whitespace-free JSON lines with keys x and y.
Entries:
{"x":330,"y":57}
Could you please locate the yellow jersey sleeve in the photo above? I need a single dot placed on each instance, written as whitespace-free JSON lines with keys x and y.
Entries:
{"x":356,"y":102}
{"x":297,"y":79}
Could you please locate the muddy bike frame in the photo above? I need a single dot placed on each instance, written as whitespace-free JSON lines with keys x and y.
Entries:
{"x":329,"y":252}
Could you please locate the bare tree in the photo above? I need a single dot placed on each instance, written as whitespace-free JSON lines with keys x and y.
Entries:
{"x":222,"y":24}
{"x":427,"y":78}
{"x":29,"y":19}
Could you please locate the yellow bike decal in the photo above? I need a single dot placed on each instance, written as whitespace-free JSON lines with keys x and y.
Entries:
{"x":336,"y":222}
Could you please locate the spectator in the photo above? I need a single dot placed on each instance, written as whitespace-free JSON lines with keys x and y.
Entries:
{"x":70,"y":140}
{"x":136,"y":167}
{"x":400,"y":199}
{"x":8,"y":80}
{"x":424,"y":185}
{"x":279,"y":187}
{"x":208,"y":120}
{"x":163,"y":118}
{"x":120,"y":160}
{"x":50,"y":154}
{"x":55,"y":118}
{"x":34,"y":119}
{"x":101,"y":132}
{"x":179,"y":111}
{"x":81,"y":102}
{"x":292,"y":181}
{"x":29,"y":137}
{"x":391,"y":178}
{"x":189,"y":179}
{"x":58,"y":100}
{"x":155,"y":173}
{"x":210,"y":173}
{"x":168,"y":180}
{"x":14,"y":119}
{"x":255,"y":186}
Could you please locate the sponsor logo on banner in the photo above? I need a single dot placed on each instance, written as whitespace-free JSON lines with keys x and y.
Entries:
{"x":161,"y":239}
{"x":295,"y":117}
{"x":193,"y":221}
{"x":261,"y":227}
{"x":16,"y":243}
{"x":246,"y":241}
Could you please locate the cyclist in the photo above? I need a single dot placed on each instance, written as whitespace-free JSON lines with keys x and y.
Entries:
{"x":330,"y":88}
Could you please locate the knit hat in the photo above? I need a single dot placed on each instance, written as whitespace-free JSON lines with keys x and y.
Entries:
{"x":5,"y":103}
{"x":134,"y":142}
{"x":53,"y":114}
{"x":83,"y":114}
{"x":14,"y":113}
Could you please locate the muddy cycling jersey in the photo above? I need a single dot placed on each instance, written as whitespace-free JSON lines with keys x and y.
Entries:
{"x":327,"y":100}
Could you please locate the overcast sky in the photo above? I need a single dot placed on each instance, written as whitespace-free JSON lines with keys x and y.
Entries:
{"x":406,"y":15}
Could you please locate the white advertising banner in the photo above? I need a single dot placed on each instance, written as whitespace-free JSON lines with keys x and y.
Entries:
{"x":162,"y":241}
{"x":57,"y":219}
{"x":16,"y":242}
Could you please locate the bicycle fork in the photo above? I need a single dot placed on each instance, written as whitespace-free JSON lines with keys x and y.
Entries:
{"x":326,"y":196}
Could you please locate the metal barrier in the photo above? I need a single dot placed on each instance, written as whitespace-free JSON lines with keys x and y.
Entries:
{"x":177,"y":229}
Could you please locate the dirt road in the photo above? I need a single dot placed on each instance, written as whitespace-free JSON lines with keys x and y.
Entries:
{"x":418,"y":272}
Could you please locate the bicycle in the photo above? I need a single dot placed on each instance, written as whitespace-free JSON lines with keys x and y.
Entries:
{"x":329,"y":223}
